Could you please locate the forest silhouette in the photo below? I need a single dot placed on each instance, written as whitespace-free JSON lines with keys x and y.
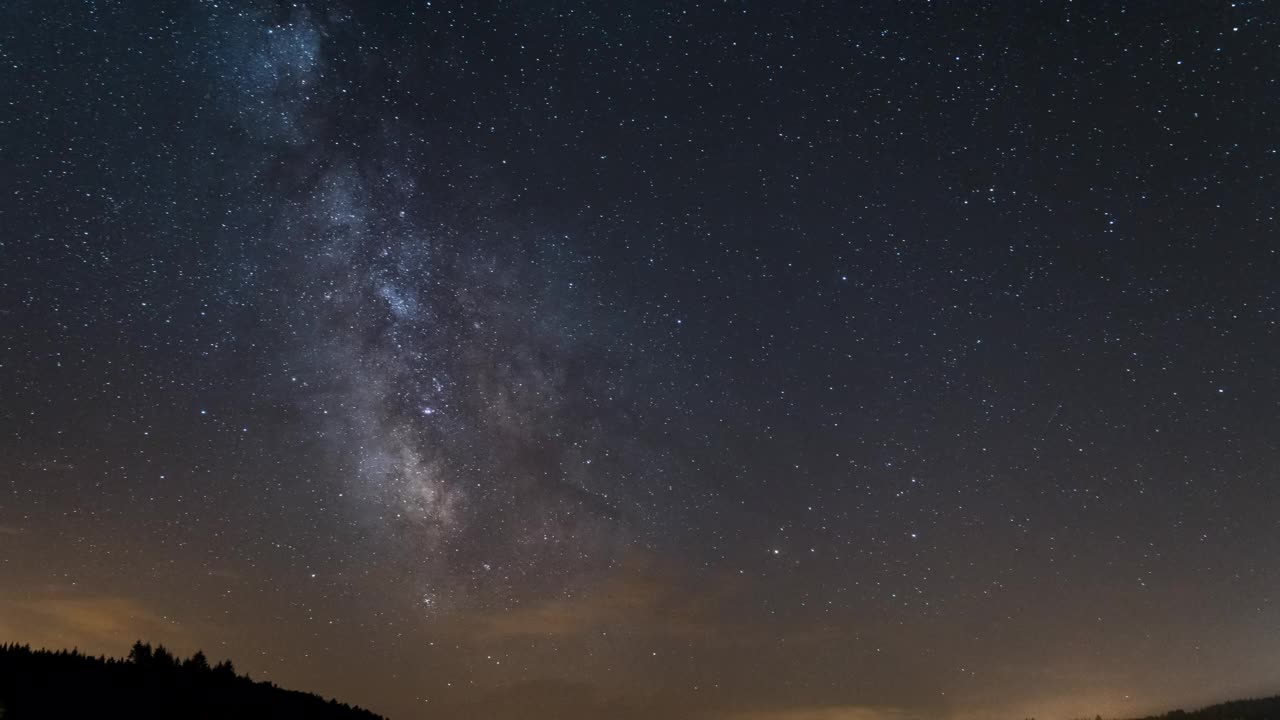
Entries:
{"x":1267,"y":708}
{"x":149,"y":683}
{"x":154,"y":683}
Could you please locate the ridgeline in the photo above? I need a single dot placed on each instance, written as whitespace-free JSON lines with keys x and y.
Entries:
{"x":1267,"y":708}
{"x":149,"y":683}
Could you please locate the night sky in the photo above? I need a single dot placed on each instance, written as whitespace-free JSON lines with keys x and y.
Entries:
{"x":721,"y":361}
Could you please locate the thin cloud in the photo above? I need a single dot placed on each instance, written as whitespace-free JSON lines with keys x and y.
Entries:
{"x":835,"y":712}
{"x":659,"y":601}
{"x":97,"y":624}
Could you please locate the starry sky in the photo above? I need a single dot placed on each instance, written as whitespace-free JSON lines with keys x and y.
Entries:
{"x":723,"y":361}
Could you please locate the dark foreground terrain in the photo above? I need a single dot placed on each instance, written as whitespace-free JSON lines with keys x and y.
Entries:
{"x":149,"y":683}
{"x":1256,"y":709}
{"x":152,"y":683}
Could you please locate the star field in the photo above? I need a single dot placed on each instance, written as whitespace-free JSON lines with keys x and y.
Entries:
{"x":722,"y":360}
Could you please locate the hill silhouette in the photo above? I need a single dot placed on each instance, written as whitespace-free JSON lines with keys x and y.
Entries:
{"x":149,"y":683}
{"x":153,"y":683}
{"x":1267,"y":708}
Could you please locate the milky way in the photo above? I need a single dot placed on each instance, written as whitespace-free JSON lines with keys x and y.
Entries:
{"x":459,"y":375}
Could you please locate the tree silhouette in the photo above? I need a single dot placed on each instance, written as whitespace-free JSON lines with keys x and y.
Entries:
{"x":197,"y":662}
{"x":140,"y":654}
{"x":162,"y":658}
{"x":149,"y":683}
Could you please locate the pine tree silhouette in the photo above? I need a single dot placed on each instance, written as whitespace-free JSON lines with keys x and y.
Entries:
{"x":149,"y":683}
{"x":197,"y":663}
{"x":140,"y":654}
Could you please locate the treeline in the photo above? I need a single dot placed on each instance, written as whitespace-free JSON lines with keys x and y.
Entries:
{"x":149,"y":683}
{"x":1267,"y":708}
